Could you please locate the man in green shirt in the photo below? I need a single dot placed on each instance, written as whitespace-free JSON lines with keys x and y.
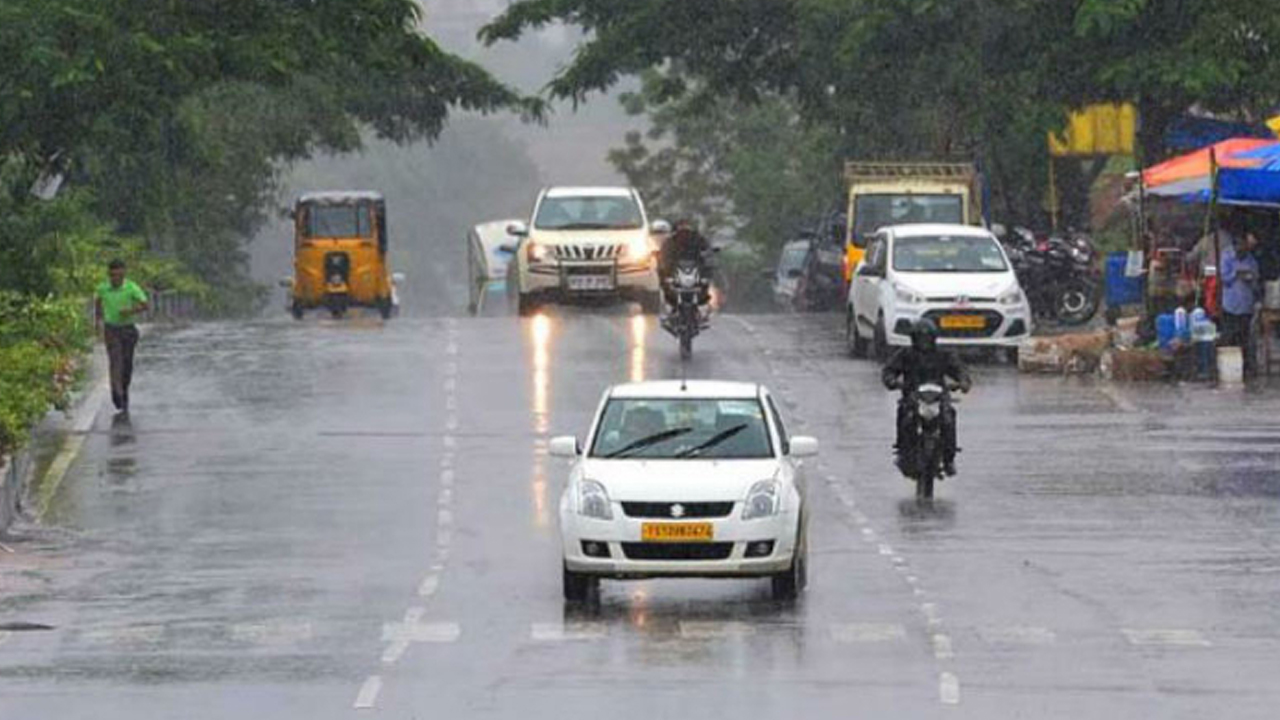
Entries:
{"x":118,"y":301}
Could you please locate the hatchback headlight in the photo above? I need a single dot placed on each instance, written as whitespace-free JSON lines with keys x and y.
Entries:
{"x":1013,"y":297}
{"x":907,"y":295}
{"x":763,"y":500}
{"x":593,"y":501}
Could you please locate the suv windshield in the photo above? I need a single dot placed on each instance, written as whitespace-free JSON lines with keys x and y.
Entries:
{"x":615,"y":212}
{"x":872,"y":212}
{"x":338,"y":221}
{"x":682,"y":428}
{"x":947,"y":253}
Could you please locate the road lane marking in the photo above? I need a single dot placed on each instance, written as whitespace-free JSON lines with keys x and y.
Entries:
{"x":446,"y":478}
{"x":444,"y":517}
{"x":942,"y":649}
{"x":275,"y":633}
{"x":451,"y":423}
{"x":885,"y":549}
{"x":420,"y":632}
{"x":948,"y":689}
{"x":1166,"y":637}
{"x":394,"y":651}
{"x":706,"y":629}
{"x":446,"y":460}
{"x":1018,"y":635}
{"x":867,"y":632}
{"x":571,"y":631}
{"x":429,"y":585}
{"x":450,"y":384}
{"x":930,"y":612}
{"x":443,"y":537}
{"x":368,"y":695}
{"x":868,"y":534}
{"x":449,"y":441}
{"x":445,"y":497}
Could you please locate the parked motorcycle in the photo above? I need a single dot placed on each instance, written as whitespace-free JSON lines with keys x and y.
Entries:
{"x":1058,"y":273}
{"x":686,"y":319}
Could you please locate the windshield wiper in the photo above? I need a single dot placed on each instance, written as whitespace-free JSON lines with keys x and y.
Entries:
{"x":648,"y":440}
{"x":712,"y":441}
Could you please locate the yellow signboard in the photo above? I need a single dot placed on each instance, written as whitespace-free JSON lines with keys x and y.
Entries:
{"x":1274,"y":124}
{"x":1107,"y":129}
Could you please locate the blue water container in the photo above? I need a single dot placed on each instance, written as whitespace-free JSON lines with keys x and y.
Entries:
{"x":1121,"y":290}
{"x":1166,"y":330}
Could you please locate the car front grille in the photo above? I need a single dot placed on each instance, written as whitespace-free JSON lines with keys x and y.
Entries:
{"x":685,"y":510}
{"x":991,"y":323}
{"x":587,"y":252}
{"x":677,"y":551}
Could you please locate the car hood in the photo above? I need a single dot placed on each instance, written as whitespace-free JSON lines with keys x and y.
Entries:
{"x":603,"y":237}
{"x":678,"y":480}
{"x":989,"y":285}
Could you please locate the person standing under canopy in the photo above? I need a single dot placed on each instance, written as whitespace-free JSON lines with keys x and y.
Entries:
{"x":1240,"y":296}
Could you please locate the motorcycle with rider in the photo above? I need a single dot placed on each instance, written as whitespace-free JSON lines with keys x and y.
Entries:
{"x":684,"y":270}
{"x":926,"y":424}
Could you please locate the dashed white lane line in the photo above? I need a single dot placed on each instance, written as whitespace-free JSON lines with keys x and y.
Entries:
{"x":1166,"y":637}
{"x":867,"y":632}
{"x":705,"y":629}
{"x":420,"y":632}
{"x":394,"y":652}
{"x":450,"y":441}
{"x":367,"y":698}
{"x":429,"y":585}
{"x":942,"y":649}
{"x":868,"y":534}
{"x":444,"y":517}
{"x":443,"y":537}
{"x":930,"y":612}
{"x":560,"y":632}
{"x":885,"y":549}
{"x":1018,"y":635}
{"x":948,"y":689}
{"x":446,"y":478}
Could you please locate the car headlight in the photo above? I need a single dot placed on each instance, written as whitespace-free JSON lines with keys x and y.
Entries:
{"x":593,"y":501}
{"x":637,"y":248}
{"x":1013,"y":297}
{"x":537,"y":252}
{"x":763,"y":500}
{"x":907,"y":295}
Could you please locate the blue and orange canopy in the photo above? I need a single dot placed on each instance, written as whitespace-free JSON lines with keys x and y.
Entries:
{"x":1248,"y":173}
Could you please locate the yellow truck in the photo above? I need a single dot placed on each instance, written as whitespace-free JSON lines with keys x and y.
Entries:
{"x":897,"y":193}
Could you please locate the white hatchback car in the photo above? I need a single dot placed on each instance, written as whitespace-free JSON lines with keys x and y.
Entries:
{"x":692,"y":479}
{"x":956,"y":275}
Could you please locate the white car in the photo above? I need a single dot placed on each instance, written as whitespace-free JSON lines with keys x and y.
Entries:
{"x":693,"y":479}
{"x":956,"y":275}
{"x":587,"y":243}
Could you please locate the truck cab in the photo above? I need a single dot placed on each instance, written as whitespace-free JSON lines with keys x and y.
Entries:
{"x":897,"y":193}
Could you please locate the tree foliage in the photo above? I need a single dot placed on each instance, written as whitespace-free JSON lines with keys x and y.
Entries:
{"x":929,"y":78}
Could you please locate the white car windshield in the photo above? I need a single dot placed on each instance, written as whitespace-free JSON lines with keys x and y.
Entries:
{"x":588,"y":213}
{"x":682,"y":428}
{"x":947,"y":253}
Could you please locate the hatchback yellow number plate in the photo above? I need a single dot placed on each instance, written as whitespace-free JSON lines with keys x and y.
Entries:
{"x":963,"y":322}
{"x":676,"y":532}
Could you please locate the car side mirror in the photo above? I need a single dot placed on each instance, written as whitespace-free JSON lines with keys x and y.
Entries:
{"x":518,"y":229}
{"x":507,"y":248}
{"x":660,"y":227}
{"x":285,"y":282}
{"x":397,"y":277}
{"x":803,"y":446}
{"x":565,"y":446}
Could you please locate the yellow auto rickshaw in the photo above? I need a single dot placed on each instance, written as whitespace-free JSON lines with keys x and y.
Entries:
{"x":340,"y":254}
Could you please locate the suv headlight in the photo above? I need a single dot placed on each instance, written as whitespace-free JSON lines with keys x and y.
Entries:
{"x":536,"y":251}
{"x":763,"y":500}
{"x":593,"y":501}
{"x":637,"y":248}
{"x":1013,"y":297}
{"x":907,"y":295}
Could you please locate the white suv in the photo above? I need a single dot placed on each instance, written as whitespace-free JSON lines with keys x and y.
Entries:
{"x":586,"y":243}
{"x":956,"y":275}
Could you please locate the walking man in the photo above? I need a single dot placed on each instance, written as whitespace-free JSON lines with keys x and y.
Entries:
{"x":118,"y":302}
{"x":1239,"y":295}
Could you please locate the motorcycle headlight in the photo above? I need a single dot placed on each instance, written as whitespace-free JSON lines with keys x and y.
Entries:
{"x":593,"y":501}
{"x":907,"y":295}
{"x":1013,"y":297}
{"x":763,"y":500}
{"x":930,"y":410}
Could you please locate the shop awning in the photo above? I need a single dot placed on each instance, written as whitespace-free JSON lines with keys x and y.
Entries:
{"x":1248,"y":173}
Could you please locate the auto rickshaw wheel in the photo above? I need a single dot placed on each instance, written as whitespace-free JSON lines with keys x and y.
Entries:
{"x":296,"y":311}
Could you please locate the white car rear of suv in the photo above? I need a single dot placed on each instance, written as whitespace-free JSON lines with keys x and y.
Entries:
{"x":958,"y":276}
{"x":586,"y":244}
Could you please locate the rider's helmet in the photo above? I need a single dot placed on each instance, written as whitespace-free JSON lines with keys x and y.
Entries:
{"x":924,"y":335}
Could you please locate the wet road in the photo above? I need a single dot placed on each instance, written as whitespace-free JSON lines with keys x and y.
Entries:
{"x":338,"y":520}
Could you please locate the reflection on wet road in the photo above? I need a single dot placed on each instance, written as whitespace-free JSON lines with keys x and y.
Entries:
{"x":335,"y":520}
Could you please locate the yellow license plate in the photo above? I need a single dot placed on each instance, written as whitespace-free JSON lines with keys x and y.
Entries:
{"x":962,"y":322}
{"x":676,"y":532}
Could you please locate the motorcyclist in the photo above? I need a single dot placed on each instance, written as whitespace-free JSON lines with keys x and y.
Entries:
{"x":685,"y":243}
{"x":909,"y":368}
